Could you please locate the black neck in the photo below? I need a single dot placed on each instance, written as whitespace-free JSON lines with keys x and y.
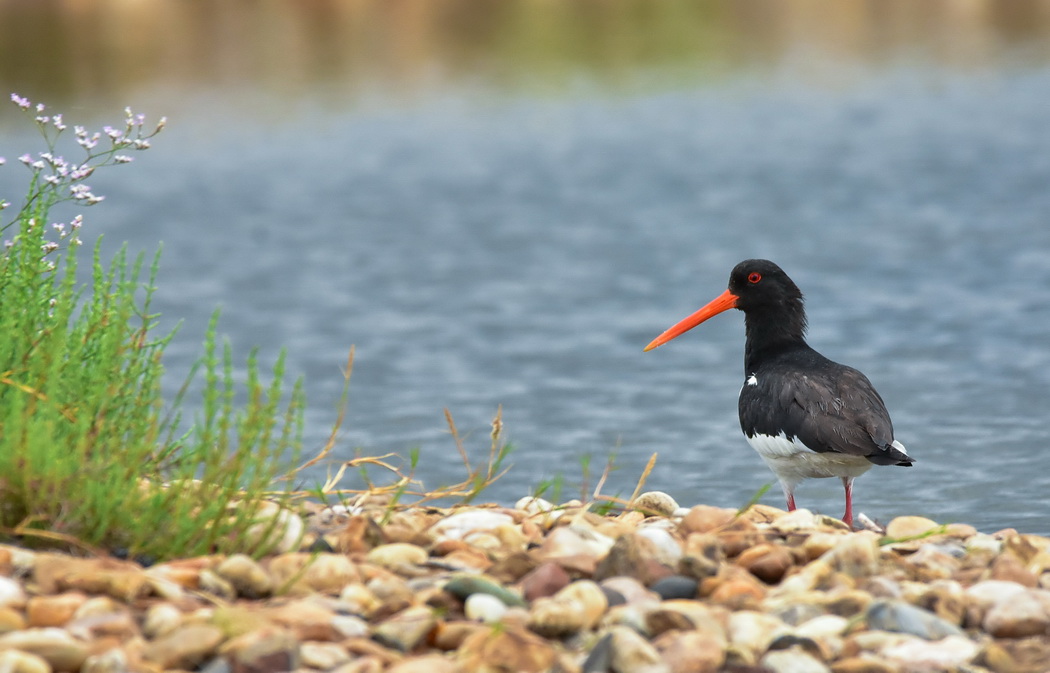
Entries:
{"x":773,"y":330}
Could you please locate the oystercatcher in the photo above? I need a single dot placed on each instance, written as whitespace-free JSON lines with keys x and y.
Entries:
{"x":808,"y":417}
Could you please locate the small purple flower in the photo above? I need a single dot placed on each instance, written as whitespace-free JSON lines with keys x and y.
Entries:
{"x":40,"y":107}
{"x":122,"y":159}
{"x":2,"y":161}
{"x":19,"y":101}
{"x":76,"y":222}
{"x":50,"y":246}
{"x":26,"y":159}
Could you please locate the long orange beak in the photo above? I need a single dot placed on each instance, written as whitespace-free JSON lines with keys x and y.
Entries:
{"x":723,"y":302}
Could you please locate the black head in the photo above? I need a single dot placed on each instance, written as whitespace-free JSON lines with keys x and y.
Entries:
{"x":761,"y":285}
{"x":771,"y":302}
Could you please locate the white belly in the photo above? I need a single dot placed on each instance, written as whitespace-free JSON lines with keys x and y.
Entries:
{"x":792,"y":462}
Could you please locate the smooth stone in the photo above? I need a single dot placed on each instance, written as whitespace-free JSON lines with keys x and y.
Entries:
{"x":588,"y":595}
{"x":556,"y":617}
{"x":185,"y":647}
{"x":304,"y":619}
{"x":458,"y":525}
{"x":123,"y":580}
{"x":767,"y":562}
{"x":462,"y":586}
{"x":298,"y":573}
{"x":634,"y":556}
{"x":246,"y":576}
{"x":793,"y":661}
{"x":705,"y":519}
{"x":599,"y":659}
{"x":574,"y":540}
{"x":16,"y":661}
{"x":1021,"y":616}
{"x":752,"y":631}
{"x":113,"y":660}
{"x":800,"y":519}
{"x":397,"y":554}
{"x":630,"y":589}
{"x":857,"y":555}
{"x":691,"y":651}
{"x":539,"y":509}
{"x":544,"y":580}
{"x":322,"y":656}
{"x":275,"y":530}
{"x":406,"y":629}
{"x":12,"y":595}
{"x":667,"y":548}
{"x":11,"y":620}
{"x":215,"y":585}
{"x":160,"y":619}
{"x":359,"y":599}
{"x":508,"y":649}
{"x":686,"y":615}
{"x":904,"y":527}
{"x":675,"y":586}
{"x":59,"y":649}
{"x":53,"y":610}
{"x":864,"y":663}
{"x":431,"y":663}
{"x":703,"y":556}
{"x":921,"y":655}
{"x":823,"y":627}
{"x":349,"y":626}
{"x":484,"y":608}
{"x":121,"y":625}
{"x":900,"y":617}
{"x":1009,"y":568}
{"x":266,"y":650}
{"x":987,"y":593}
{"x":655,"y":503}
{"x":631,"y":653}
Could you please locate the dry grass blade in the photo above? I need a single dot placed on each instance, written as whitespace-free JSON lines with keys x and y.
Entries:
{"x":458,"y":440}
{"x":645,"y":475}
{"x":330,"y":443}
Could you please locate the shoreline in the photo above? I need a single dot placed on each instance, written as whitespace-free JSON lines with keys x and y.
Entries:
{"x":536,"y":587}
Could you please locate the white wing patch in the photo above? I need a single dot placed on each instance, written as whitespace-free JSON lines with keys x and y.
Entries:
{"x":792,"y":461}
{"x":900,"y":447}
{"x":752,"y":380}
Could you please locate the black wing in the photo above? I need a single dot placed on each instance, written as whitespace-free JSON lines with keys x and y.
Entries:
{"x":829,"y":407}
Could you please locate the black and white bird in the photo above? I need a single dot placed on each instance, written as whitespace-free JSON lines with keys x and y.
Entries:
{"x":808,"y":417}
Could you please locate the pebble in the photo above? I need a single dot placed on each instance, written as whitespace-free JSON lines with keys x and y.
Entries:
{"x":60,"y":650}
{"x":544,"y":580}
{"x":16,"y":661}
{"x":545,"y":587}
{"x":900,"y":617}
{"x":247,"y":578}
{"x":484,"y":608}
{"x":675,"y":586}
{"x":655,"y":503}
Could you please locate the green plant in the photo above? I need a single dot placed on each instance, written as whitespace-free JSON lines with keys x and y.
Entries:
{"x":88,"y":456}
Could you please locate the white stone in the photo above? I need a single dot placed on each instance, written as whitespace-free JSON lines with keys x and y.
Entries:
{"x":456,"y":527}
{"x":484,"y":608}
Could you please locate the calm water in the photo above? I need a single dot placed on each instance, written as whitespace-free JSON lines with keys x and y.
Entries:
{"x":485,"y":244}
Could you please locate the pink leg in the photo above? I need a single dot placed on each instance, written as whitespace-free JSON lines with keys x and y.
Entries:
{"x":791,"y":501}
{"x":847,"y":483}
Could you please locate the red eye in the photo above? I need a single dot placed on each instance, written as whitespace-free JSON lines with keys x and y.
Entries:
{"x":754,"y":277}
